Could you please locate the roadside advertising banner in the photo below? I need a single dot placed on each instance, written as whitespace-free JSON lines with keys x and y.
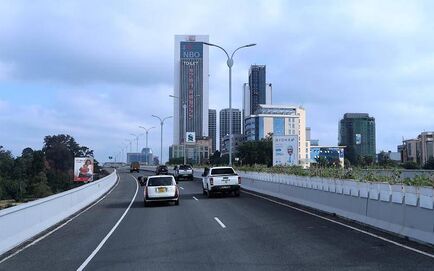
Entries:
{"x":285,"y":150}
{"x":83,"y":169}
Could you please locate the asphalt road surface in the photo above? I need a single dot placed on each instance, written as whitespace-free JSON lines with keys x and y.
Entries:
{"x":222,"y":233}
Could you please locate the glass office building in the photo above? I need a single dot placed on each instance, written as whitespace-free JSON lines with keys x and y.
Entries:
{"x":357,"y":133}
{"x":190,"y":86}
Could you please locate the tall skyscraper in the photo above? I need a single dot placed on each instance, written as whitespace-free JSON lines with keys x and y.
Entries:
{"x":191,"y":68}
{"x":357,"y":133}
{"x":256,"y":92}
{"x":257,"y":86}
{"x":224,"y":123}
{"x":212,"y":127}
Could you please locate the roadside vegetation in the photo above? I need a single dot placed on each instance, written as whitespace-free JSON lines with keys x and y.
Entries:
{"x":392,"y":176}
{"x":40,"y":173}
{"x":257,"y":156}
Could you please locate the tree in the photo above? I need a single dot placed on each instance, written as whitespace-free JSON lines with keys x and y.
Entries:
{"x":215,"y":158}
{"x":410,"y":165}
{"x":6,"y":163}
{"x":429,"y":164}
{"x":59,"y":151}
{"x":176,"y":161}
{"x":257,"y":152}
{"x":347,"y":163}
{"x":39,"y":187}
{"x":350,"y":154}
{"x":322,"y":161}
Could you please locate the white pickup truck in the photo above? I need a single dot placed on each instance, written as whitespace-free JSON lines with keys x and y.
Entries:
{"x":220,"y":179}
{"x":183,"y":172}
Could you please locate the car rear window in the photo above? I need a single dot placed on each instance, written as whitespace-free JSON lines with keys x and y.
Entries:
{"x":222,"y":171}
{"x":184,"y":167}
{"x":161,"y":181}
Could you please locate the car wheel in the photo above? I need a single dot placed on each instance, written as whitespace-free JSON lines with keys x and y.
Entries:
{"x":203,"y":191}
{"x":209,"y":193}
{"x":237,"y":193}
{"x":177,"y":202}
{"x":145,"y":204}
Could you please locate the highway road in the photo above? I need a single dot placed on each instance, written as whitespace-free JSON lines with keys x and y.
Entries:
{"x":222,"y":233}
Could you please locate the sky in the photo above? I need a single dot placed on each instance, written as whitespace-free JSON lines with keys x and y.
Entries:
{"x":99,"y":69}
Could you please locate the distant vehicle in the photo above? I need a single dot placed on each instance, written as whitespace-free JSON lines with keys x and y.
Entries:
{"x":162,"y":188}
{"x":220,"y":180}
{"x":183,"y":172}
{"x":161,"y":169}
{"x":135,"y":166}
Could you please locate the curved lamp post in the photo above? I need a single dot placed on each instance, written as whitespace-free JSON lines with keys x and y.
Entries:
{"x":230,"y":63}
{"x":161,"y":144}
{"x":147,"y":132}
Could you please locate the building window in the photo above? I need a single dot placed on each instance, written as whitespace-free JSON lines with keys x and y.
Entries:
{"x":279,"y":126}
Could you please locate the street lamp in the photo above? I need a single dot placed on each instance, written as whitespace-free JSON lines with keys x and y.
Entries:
{"x":121,"y":154}
{"x":230,"y":63}
{"x":161,"y":123}
{"x":147,"y":131}
{"x":184,"y":107}
{"x":137,"y":141}
{"x":129,"y":141}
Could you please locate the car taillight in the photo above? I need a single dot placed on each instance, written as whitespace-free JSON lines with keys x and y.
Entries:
{"x":211,"y":181}
{"x":239,"y":180}
{"x":176,"y":191}
{"x":146,"y":191}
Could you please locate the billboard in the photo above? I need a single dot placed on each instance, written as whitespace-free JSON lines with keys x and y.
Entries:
{"x":191,"y":86}
{"x":191,"y":49}
{"x":285,"y":150}
{"x":190,"y":137}
{"x":83,"y":169}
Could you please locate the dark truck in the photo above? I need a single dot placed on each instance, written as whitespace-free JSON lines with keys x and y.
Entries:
{"x":135,"y":166}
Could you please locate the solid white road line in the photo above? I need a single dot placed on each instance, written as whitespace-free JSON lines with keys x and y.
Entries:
{"x":345,"y":225}
{"x":182,"y":188}
{"x":195,"y":198}
{"x":220,"y":223}
{"x":101,"y":244}
{"x":60,"y":226}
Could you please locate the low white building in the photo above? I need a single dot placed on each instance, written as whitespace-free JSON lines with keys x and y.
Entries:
{"x":280,"y":120}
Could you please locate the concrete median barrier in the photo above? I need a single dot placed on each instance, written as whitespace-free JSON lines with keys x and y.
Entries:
{"x":21,"y":223}
{"x":400,"y":209}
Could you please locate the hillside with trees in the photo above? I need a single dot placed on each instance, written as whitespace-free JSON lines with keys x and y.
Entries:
{"x":40,"y":173}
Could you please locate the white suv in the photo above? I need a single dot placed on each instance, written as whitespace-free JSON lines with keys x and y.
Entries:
{"x":220,"y":180}
{"x":160,"y":188}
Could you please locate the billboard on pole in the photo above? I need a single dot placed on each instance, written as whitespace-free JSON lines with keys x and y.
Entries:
{"x":83,"y":169}
{"x":190,"y":137}
{"x":285,"y":150}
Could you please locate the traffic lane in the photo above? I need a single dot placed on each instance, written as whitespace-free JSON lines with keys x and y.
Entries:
{"x":249,"y":213}
{"x":69,"y":246}
{"x":161,"y":237}
{"x":256,"y":237}
{"x":265,"y":227}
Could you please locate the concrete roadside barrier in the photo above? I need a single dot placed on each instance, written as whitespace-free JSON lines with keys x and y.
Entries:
{"x":27,"y":220}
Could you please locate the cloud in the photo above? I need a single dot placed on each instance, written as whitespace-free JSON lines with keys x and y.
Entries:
{"x":110,"y":64}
